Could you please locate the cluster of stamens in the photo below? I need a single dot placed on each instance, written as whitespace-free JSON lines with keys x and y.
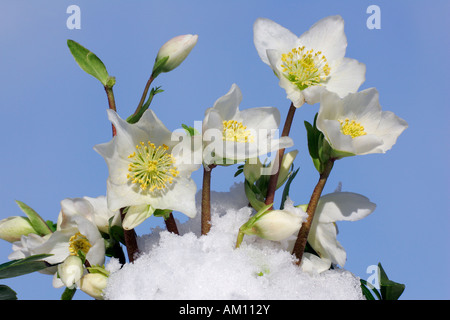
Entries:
{"x":236,"y":131}
{"x":352,"y":128}
{"x":305,"y":68}
{"x":151,"y":167}
{"x":78,"y":242}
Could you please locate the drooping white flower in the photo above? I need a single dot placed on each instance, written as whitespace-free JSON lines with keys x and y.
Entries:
{"x":336,"y":206}
{"x":145,"y":171}
{"x":309,"y":64}
{"x":231,"y":135}
{"x":356,"y":125}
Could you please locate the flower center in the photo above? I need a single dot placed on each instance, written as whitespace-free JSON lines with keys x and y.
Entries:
{"x":305,"y":68}
{"x":79,"y":242}
{"x":151,"y":167}
{"x":352,"y":128}
{"x":235,"y":131}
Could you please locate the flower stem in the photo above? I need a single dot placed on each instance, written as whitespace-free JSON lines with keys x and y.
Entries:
{"x":171,"y":225}
{"x":144,"y":94}
{"x":130,"y":240}
{"x":274,"y":177}
{"x":111,"y":103}
{"x":239,"y":239}
{"x":302,"y":237}
{"x":206,"y":200}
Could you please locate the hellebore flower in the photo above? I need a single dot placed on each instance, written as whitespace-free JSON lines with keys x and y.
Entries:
{"x":309,"y":64}
{"x":75,"y":234}
{"x":144,"y":171}
{"x":239,"y":135}
{"x":176,"y":49}
{"x":356,"y":125}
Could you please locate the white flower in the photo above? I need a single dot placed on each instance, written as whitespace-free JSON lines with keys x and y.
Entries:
{"x":145,"y":171}
{"x":356,"y":125}
{"x":232,"y":136}
{"x":337,"y":206}
{"x":100,"y":214}
{"x":12,"y":228}
{"x":177,"y":49}
{"x":75,"y":232}
{"x":70,"y":271}
{"x":309,"y":64}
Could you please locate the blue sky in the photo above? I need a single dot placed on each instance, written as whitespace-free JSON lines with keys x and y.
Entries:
{"x":52,"y":113}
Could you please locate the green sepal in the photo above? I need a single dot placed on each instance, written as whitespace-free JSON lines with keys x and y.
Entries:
{"x":6,"y":293}
{"x":23,"y":266}
{"x":158,"y":66}
{"x":38,"y":224}
{"x":390,"y":290}
{"x":90,"y":63}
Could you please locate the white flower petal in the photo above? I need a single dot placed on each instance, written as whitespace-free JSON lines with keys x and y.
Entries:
{"x":346,"y":77}
{"x":227,"y":105}
{"x":326,"y":35}
{"x":270,"y":35}
{"x":343,"y":206}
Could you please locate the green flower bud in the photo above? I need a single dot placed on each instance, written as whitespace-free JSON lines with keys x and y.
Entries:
{"x":12,"y":228}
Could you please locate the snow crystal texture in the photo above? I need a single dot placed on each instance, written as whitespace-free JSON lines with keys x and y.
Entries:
{"x":194,"y":267}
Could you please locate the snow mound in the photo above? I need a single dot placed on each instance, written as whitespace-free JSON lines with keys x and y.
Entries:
{"x":194,"y":267}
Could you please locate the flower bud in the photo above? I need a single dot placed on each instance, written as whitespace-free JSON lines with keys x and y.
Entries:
{"x":286,"y":164}
{"x":176,"y":49}
{"x":70,"y":271}
{"x":275,"y":225}
{"x":12,"y":228}
{"x":93,"y":284}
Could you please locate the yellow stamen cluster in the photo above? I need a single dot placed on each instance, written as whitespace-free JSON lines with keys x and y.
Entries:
{"x":79,"y":242}
{"x":352,"y":128}
{"x":151,"y":167}
{"x":305,"y":68}
{"x":236,"y":131}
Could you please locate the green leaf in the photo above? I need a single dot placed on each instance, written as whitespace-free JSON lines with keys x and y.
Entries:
{"x":190,"y":130}
{"x":390,"y":290}
{"x":23,"y":266}
{"x":287,"y":187}
{"x":313,"y":137}
{"x":365,"y":290}
{"x":36,"y":221}
{"x":6,"y":293}
{"x":254,"y":197}
{"x":165,"y":213}
{"x":90,"y":63}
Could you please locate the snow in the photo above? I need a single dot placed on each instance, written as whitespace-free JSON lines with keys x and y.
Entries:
{"x":190,"y":266}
